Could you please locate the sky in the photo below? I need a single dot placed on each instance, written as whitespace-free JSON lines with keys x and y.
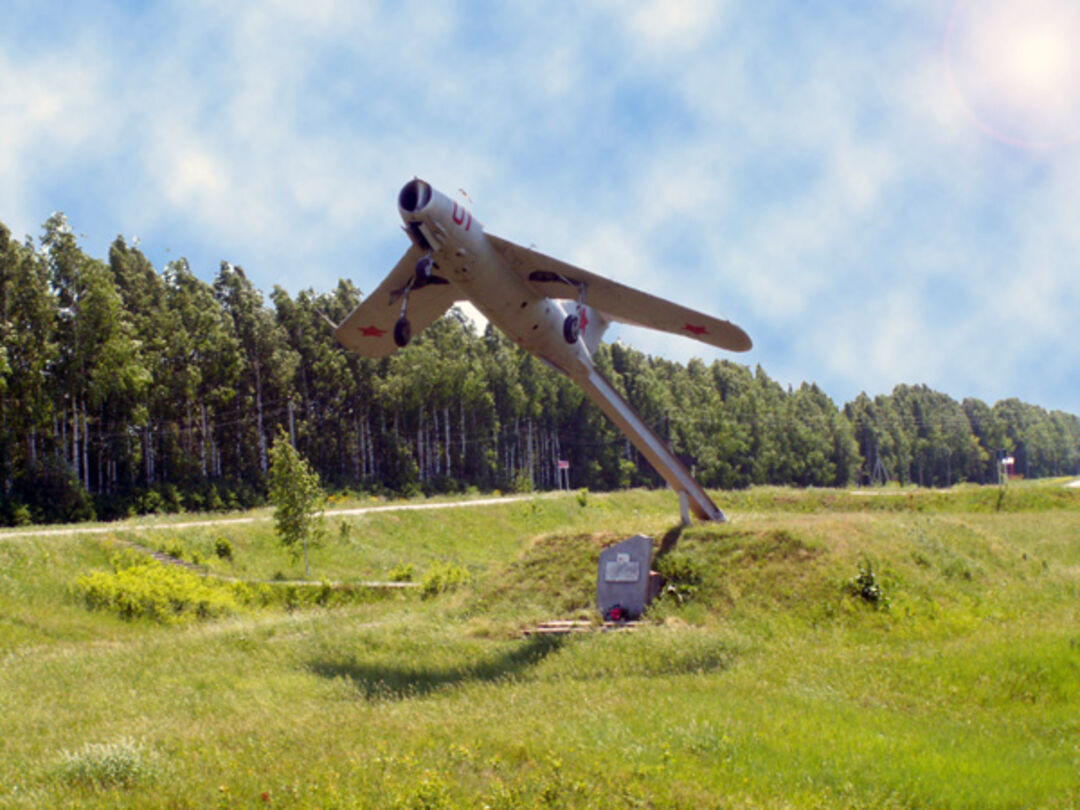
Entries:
{"x":879,"y":193}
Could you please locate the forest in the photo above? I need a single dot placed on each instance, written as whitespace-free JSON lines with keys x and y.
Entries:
{"x":125,"y":390}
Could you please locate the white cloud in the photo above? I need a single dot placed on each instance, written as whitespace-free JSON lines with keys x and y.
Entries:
{"x":614,"y":249}
{"x":197,"y":179}
{"x":665,"y":24}
{"x":49,"y":110}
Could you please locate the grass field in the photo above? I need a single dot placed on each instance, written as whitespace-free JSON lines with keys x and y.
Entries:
{"x":823,"y":649}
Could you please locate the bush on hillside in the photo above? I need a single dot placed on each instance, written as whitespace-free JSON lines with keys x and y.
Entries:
{"x":442,"y":577}
{"x":865,"y":586}
{"x":162,"y":593}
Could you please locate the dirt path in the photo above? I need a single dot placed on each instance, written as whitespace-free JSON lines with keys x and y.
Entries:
{"x":191,"y":524}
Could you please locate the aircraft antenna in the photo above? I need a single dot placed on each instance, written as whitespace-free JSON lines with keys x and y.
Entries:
{"x":326,"y":318}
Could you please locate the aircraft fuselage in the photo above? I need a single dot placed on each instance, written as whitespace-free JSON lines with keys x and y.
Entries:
{"x":539,"y":303}
{"x":465,"y":258}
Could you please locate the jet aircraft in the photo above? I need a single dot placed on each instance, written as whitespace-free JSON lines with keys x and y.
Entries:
{"x":552,"y":309}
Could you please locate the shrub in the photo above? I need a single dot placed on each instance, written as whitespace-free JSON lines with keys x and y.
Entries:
{"x":258,"y":594}
{"x":171,"y":498}
{"x":162,"y":593}
{"x":296,"y":597}
{"x":123,"y":763}
{"x":679,"y":567}
{"x":213,"y":500}
{"x":403,"y":573}
{"x":442,"y":577}
{"x":865,"y":586}
{"x":522,"y":482}
{"x":223,"y":549}
{"x":149,"y":503}
{"x":291,"y":597}
{"x":583,"y":497}
{"x":682,"y":575}
{"x":20,"y":515}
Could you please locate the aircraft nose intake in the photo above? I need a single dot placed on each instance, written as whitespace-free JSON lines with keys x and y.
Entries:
{"x":414,"y":196}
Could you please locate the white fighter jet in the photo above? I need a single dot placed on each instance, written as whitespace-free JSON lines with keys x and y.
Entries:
{"x":554,"y":310}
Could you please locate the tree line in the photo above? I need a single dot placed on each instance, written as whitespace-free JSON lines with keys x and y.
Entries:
{"x":128,"y":390}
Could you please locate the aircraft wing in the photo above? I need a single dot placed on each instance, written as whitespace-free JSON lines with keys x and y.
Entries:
{"x":369,"y":329}
{"x":555,"y":279}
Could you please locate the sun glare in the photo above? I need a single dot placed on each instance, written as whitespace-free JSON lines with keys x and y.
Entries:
{"x":1015,"y":67}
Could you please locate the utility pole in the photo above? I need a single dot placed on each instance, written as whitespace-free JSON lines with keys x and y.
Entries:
{"x":879,"y":470}
{"x":1004,"y":464}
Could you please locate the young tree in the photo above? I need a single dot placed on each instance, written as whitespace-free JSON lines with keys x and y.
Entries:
{"x":297,"y":498}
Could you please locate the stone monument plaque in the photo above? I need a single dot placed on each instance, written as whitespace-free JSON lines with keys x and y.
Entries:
{"x":623,"y":578}
{"x":623,"y":569}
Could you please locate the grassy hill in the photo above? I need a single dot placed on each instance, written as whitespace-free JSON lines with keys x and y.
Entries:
{"x":823,"y":649}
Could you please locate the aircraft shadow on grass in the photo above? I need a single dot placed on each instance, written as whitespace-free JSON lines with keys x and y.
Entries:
{"x":383,"y":681}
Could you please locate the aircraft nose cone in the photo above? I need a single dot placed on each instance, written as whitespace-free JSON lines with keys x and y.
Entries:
{"x":414,"y":196}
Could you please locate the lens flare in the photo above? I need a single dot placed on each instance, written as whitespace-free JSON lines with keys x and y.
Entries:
{"x":1015,"y":68}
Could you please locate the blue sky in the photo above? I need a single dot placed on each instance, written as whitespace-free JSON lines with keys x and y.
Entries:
{"x":878,"y":193}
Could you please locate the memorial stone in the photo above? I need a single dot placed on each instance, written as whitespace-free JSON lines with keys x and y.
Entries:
{"x":622,"y":583}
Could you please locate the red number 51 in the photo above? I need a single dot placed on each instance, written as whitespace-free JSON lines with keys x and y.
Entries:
{"x":460,"y":214}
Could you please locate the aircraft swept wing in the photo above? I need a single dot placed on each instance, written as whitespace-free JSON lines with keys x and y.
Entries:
{"x":369,"y":329}
{"x":453,"y":257}
{"x":555,"y":279}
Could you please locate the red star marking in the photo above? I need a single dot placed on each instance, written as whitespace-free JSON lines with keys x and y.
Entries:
{"x":584,"y":319}
{"x":372,"y":331}
{"x":696,"y":330}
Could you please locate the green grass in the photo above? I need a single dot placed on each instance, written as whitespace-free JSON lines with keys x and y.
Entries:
{"x":766,"y":681}
{"x":369,"y":547}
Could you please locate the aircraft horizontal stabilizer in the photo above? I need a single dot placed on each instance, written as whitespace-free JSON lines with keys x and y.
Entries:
{"x":369,"y":329}
{"x":556,"y":279}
